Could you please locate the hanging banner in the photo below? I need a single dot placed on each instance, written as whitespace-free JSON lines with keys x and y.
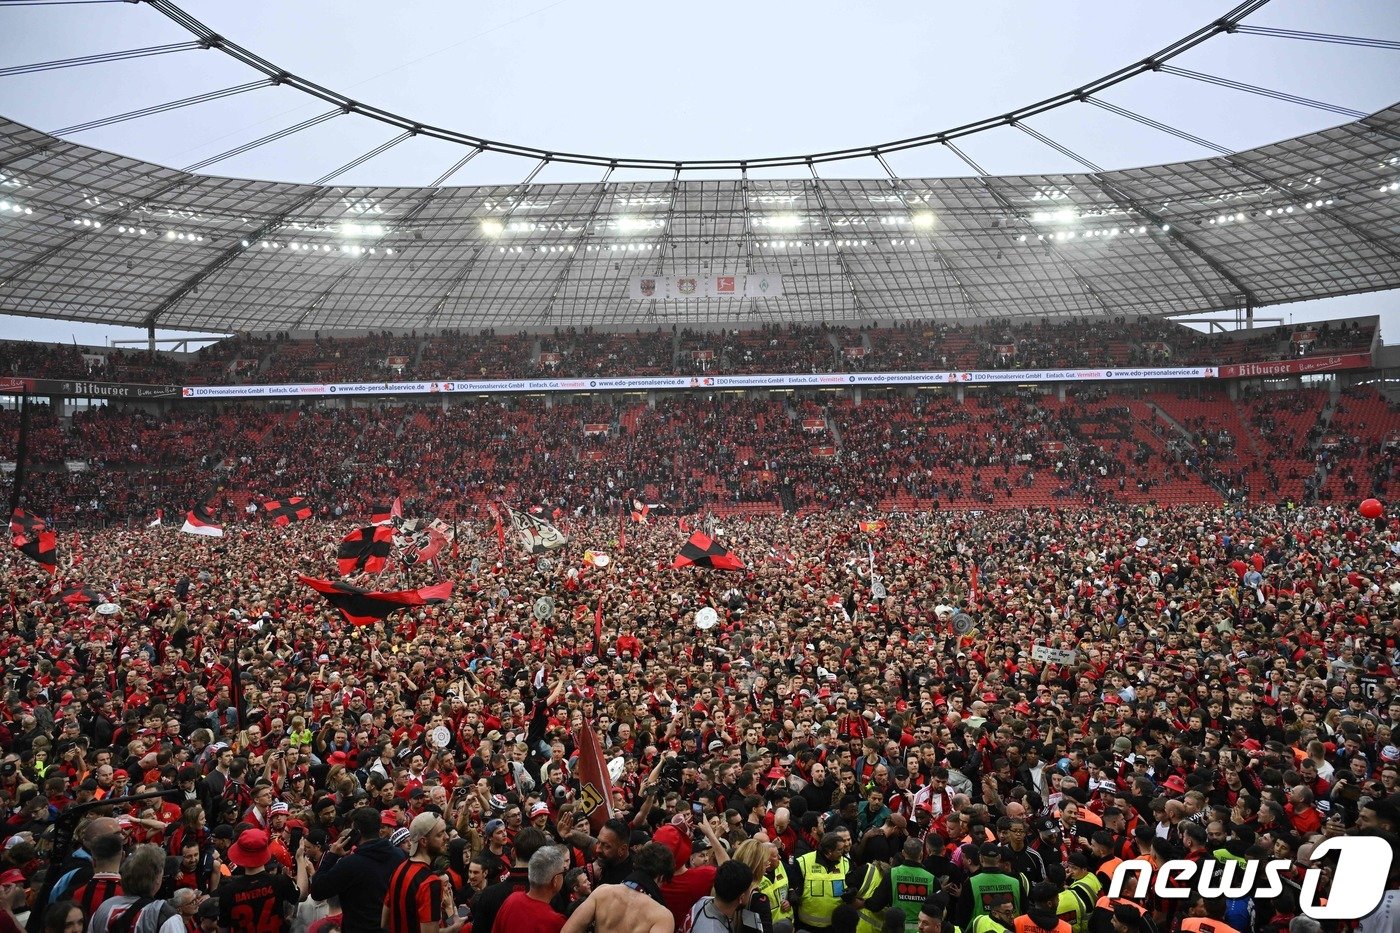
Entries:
{"x":661,"y":383}
{"x":853,"y":353}
{"x":686,"y":287}
{"x":591,"y":429}
{"x":1298,"y":367}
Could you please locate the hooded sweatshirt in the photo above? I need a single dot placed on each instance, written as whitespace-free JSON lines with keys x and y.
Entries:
{"x":360,"y":880}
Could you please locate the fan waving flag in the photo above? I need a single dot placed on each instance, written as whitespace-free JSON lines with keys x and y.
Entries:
{"x":536,"y":535}
{"x":385,"y":513}
{"x":365,"y":549}
{"x":595,"y":785}
{"x":365,"y":607}
{"x":156,"y":522}
{"x":200,"y":520}
{"x":871,"y":528}
{"x":77,"y":594}
{"x":284,"y":512}
{"x":703,"y":551}
{"x":32,"y":537}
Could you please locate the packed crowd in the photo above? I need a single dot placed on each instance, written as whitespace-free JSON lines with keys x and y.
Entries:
{"x":832,"y":755}
{"x":995,"y":449}
{"x":791,"y":348}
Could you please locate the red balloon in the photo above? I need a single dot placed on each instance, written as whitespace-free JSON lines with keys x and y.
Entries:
{"x":1372,"y":508}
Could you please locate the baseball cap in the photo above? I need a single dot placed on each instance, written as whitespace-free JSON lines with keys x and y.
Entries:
{"x":493,"y":825}
{"x":12,"y":876}
{"x":388,"y":818}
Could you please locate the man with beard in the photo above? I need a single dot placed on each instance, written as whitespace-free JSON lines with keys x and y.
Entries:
{"x":414,"y":903}
{"x":635,"y":905}
{"x":613,"y":853}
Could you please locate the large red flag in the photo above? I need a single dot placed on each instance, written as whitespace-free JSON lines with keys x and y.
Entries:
{"x":595,"y":786}
{"x":598,"y":630}
{"x":972,"y":580}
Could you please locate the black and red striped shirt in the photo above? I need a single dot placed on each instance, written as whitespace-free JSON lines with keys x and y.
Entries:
{"x":414,"y":897}
{"x":90,"y":894}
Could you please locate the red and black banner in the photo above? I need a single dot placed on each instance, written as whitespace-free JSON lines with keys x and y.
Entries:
{"x":200,"y":520}
{"x":703,"y":551}
{"x":365,"y":549}
{"x":284,"y":512}
{"x":365,"y":607}
{"x":595,"y":784}
{"x":77,"y":594}
{"x":384,"y":513}
{"x":34,"y":540}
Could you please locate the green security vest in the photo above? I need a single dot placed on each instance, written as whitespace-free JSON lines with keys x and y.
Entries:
{"x":910,"y":885}
{"x":821,"y":891}
{"x":776,"y":890}
{"x":989,"y":883}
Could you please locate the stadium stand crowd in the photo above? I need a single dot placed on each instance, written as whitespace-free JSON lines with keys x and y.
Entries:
{"x":584,"y":352}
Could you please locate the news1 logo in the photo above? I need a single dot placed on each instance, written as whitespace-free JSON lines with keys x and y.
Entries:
{"x":1358,"y":883}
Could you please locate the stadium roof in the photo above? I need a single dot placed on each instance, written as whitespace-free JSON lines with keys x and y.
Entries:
{"x":92,"y":236}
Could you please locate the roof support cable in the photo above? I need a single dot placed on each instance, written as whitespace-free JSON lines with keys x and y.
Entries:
{"x":1158,"y":125}
{"x":1362,"y":41}
{"x":269,"y":138}
{"x":163,"y":108}
{"x":950,"y":274}
{"x":101,"y":57}
{"x":456,"y":167}
{"x":1062,"y":150}
{"x":362,"y":159}
{"x":1024,"y":222}
{"x":971,"y":163}
{"x":1261,"y":91}
{"x":841,"y":263}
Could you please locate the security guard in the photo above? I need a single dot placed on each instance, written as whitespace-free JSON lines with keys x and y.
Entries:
{"x":1041,"y":916}
{"x":774,"y":886}
{"x":910,"y":884}
{"x":1085,"y":887}
{"x":862,"y":884}
{"x":817,"y":881}
{"x":1000,"y":916}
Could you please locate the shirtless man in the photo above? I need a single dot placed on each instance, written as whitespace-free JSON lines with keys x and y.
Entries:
{"x":634,"y":906}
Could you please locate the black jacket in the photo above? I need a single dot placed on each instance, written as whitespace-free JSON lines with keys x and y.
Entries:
{"x":360,"y":880}
{"x":488,"y":902}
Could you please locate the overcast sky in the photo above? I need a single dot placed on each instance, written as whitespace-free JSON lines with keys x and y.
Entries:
{"x":724,"y":78}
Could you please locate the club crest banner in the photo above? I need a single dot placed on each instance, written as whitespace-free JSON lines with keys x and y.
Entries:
{"x":685,"y":287}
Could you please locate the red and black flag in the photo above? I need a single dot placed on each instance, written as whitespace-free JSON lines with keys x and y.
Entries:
{"x":200,"y":520}
{"x":873,"y":527}
{"x":385,"y":513}
{"x":77,"y":594}
{"x":285,"y":511}
{"x":32,"y":537}
{"x":365,"y":549}
{"x":703,"y":551}
{"x":365,"y":607}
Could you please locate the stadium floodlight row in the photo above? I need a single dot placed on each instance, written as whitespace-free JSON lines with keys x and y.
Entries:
{"x":93,"y":236}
